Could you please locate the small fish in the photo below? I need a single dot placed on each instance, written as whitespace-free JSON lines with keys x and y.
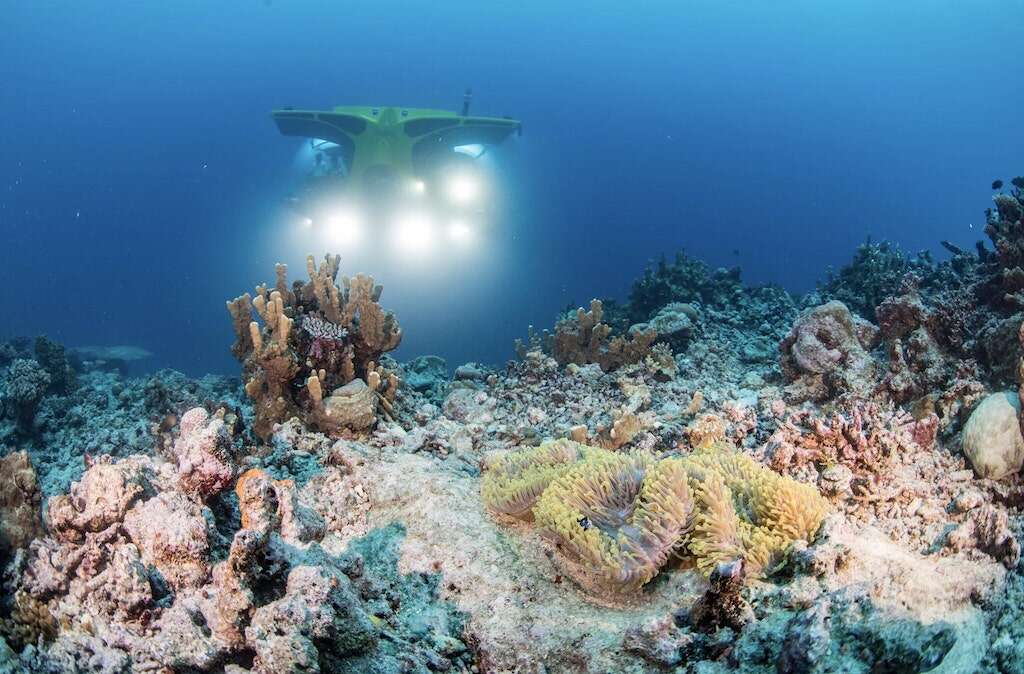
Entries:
{"x":584,"y":522}
{"x":736,"y":252}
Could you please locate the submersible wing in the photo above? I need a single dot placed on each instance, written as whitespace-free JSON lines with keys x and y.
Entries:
{"x":406,"y":140}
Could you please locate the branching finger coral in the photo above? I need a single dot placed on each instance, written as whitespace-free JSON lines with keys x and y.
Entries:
{"x":582,"y":338}
{"x":513,"y":485}
{"x":340,"y":336}
{"x":622,"y":514}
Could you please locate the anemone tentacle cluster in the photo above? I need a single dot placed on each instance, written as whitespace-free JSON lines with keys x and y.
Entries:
{"x":623,"y":515}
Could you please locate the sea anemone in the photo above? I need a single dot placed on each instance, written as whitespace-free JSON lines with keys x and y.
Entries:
{"x":516,"y":481}
{"x":622,"y":515}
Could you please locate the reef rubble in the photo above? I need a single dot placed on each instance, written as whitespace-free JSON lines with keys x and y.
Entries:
{"x":707,"y":478}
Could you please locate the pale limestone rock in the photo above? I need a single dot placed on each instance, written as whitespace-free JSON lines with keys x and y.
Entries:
{"x":992,"y":438}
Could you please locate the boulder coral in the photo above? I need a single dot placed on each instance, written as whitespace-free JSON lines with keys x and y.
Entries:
{"x":620,"y":516}
{"x":827,"y":353}
{"x":315,"y":337}
{"x":992,"y":438}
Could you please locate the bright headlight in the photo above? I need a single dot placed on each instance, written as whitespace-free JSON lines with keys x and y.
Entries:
{"x":345,"y":228}
{"x":460,"y":231}
{"x":473,"y":150}
{"x":463,"y":189}
{"x":414,"y":232}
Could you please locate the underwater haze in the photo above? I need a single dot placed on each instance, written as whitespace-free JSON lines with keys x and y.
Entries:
{"x":142,"y":179}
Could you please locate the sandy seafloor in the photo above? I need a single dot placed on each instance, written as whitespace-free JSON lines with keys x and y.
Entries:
{"x":140,"y":536}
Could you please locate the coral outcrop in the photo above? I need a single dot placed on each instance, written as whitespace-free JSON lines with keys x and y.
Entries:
{"x":24,"y":387}
{"x":315,"y":338}
{"x":581,"y":339}
{"x":203,"y":452}
{"x":827,"y":353}
{"x":20,"y":502}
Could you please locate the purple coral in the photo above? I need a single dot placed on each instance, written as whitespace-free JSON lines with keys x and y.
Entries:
{"x":326,"y":336}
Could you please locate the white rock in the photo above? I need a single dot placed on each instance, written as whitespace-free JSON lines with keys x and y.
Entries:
{"x":992,"y":438}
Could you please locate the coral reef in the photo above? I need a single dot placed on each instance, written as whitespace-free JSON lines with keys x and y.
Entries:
{"x":153,"y":579}
{"x":874,"y":274}
{"x":341,"y":335}
{"x":851,"y":503}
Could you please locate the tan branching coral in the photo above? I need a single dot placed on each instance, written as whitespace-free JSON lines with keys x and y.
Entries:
{"x":515,"y":482}
{"x":583,"y":339}
{"x":621,"y":514}
{"x":311,"y":339}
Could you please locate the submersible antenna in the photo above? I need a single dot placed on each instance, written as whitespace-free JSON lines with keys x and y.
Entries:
{"x":467,"y":98}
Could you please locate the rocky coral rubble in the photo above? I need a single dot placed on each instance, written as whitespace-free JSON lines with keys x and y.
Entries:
{"x":146,"y":566}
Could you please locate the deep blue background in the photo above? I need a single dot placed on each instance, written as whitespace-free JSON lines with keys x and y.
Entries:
{"x":140,"y":175}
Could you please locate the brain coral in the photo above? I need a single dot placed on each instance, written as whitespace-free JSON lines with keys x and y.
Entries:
{"x":513,"y":484}
{"x":623,"y":514}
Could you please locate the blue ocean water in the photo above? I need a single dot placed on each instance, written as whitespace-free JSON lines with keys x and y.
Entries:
{"x":141,"y":178}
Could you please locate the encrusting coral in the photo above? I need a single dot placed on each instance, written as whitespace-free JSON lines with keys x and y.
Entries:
{"x":340,"y":335}
{"x":620,"y":516}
